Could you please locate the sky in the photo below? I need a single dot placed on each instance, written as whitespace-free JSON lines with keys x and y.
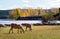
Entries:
{"x":45,"y":4}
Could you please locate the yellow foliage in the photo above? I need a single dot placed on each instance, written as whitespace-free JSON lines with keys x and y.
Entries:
{"x":54,"y":10}
{"x":19,"y":11}
{"x":13,"y":12}
{"x":24,"y":14}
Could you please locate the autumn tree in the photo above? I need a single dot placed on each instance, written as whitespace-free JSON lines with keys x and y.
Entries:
{"x":40,"y":11}
{"x":25,"y":14}
{"x":48,"y":16}
{"x":34,"y":12}
{"x":13,"y":14}
{"x":54,"y":10}
{"x":30,"y":11}
{"x":19,"y":12}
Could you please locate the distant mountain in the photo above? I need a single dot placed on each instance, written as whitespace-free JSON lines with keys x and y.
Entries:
{"x":4,"y":14}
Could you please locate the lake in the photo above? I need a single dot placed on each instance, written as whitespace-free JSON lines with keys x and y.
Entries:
{"x":5,"y":21}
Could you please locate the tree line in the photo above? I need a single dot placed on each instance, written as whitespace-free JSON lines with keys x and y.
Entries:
{"x":15,"y":13}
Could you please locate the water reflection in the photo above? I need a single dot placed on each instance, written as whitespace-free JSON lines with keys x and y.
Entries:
{"x":3,"y":21}
{"x":19,"y":21}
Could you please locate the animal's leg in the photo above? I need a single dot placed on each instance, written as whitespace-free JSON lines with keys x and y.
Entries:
{"x":10,"y":30}
{"x":30,"y":29}
{"x":26,"y":29}
{"x":18,"y":31}
{"x":22,"y":30}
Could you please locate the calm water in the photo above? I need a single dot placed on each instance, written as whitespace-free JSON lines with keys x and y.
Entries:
{"x":4,"y":21}
{"x":19,"y":21}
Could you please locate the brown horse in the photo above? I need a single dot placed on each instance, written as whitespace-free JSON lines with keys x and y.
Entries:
{"x":27,"y":26}
{"x":8,"y":25}
{"x":1,"y":25}
{"x":15,"y":26}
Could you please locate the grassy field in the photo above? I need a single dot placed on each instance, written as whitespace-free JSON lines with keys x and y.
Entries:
{"x":38,"y":32}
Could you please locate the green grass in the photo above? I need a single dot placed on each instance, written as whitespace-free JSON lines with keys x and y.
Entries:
{"x":38,"y":32}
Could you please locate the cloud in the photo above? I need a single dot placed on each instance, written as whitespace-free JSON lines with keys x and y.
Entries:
{"x":50,"y":3}
{"x":30,"y":3}
{"x":14,"y":6}
{"x":27,"y":5}
{"x":10,"y":7}
{"x":42,"y":3}
{"x":55,"y":3}
{"x":25,"y":1}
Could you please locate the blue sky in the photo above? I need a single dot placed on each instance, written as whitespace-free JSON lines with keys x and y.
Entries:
{"x":12,"y":4}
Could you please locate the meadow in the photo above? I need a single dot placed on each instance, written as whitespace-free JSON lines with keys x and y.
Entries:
{"x":38,"y":32}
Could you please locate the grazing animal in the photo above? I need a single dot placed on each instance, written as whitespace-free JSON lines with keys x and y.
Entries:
{"x":15,"y":26}
{"x":1,"y":25}
{"x":7,"y":25}
{"x":27,"y":26}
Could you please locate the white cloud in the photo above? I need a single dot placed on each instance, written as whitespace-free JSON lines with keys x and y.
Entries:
{"x":10,"y":7}
{"x":55,"y":3}
{"x":25,"y":1}
{"x":51,"y":3}
{"x":31,"y":3}
{"x":43,"y":4}
{"x":14,"y":6}
{"x":27,"y":5}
